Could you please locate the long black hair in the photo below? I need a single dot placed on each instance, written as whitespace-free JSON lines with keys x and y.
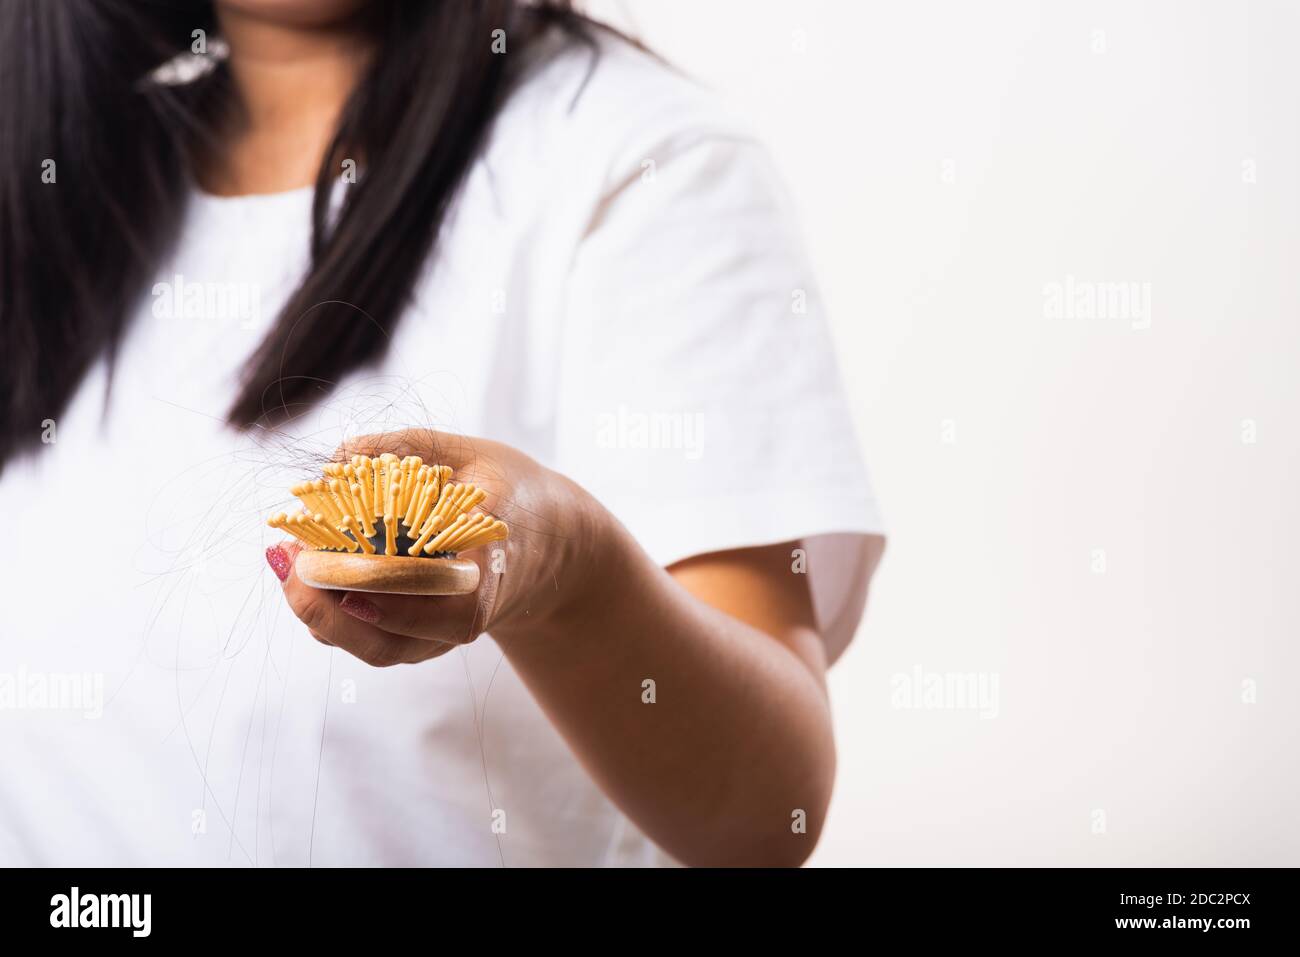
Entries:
{"x":95,"y":169}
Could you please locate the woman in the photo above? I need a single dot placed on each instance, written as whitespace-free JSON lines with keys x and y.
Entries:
{"x":377,"y":225}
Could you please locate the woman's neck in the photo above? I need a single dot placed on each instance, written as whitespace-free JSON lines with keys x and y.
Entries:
{"x":292,"y":83}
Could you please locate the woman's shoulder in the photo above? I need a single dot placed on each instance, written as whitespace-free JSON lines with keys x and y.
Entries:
{"x":609,"y":104}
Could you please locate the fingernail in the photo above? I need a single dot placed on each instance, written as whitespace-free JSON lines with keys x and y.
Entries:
{"x":360,"y":608}
{"x":278,"y":559}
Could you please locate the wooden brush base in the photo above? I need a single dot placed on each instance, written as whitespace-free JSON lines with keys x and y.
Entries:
{"x":386,"y":574}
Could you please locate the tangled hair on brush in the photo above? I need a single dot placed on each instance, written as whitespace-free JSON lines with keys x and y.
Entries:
{"x":75,"y":254}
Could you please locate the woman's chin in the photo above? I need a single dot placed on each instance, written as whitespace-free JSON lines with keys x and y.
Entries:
{"x":297,"y":13}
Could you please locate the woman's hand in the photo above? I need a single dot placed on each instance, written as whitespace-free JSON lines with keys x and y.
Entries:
{"x":528,"y":577}
{"x":739,"y":747}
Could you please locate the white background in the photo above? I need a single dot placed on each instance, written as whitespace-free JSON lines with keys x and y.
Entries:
{"x":949,"y":160}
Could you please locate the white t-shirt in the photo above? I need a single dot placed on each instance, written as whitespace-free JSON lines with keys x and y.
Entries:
{"x":619,"y":292}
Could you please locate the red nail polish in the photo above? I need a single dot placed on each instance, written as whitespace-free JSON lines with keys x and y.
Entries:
{"x":278,"y":559}
{"x":360,"y":608}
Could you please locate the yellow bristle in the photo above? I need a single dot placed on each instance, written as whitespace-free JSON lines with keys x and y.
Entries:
{"x":394,"y":496}
{"x":491,"y":532}
{"x":360,"y":477}
{"x":428,"y":494}
{"x":307,"y":525}
{"x":445,"y":535}
{"x":349,"y":480}
{"x":341,"y":510}
{"x":411,"y":497}
{"x":472,"y":524}
{"x":392,"y":467}
{"x":415,"y":494}
{"x":474,"y":498}
{"x":367,"y":500}
{"x":302,"y":536}
{"x":475,"y":540}
{"x":341,"y":540}
{"x":449,"y":507}
{"x":317,"y":498}
{"x":294,"y":528}
{"x":352,"y":526}
{"x":430,"y":525}
{"x":390,"y":534}
{"x":352,"y":491}
{"x":305,"y":494}
{"x":453,"y":533}
{"x":339,"y":533}
{"x":332,"y":536}
{"x":410,"y":487}
{"x":432,"y":487}
{"x":483,"y":534}
{"x":447,"y":502}
{"x":321,"y":500}
{"x":329,"y":505}
{"x":341,"y":498}
{"x":433,"y":522}
{"x":405,"y":472}
{"x":363,"y":509}
{"x":298,"y":526}
{"x":420,"y":513}
{"x":467,"y":496}
{"x":441,"y":503}
{"x":282,"y":522}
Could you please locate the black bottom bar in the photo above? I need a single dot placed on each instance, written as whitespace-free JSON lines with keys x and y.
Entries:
{"x":871,"y":907}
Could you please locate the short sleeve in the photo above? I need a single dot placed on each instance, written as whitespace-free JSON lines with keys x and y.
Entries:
{"x":700,"y":398}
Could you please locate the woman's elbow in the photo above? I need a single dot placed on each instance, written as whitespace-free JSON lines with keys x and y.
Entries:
{"x":782,"y":832}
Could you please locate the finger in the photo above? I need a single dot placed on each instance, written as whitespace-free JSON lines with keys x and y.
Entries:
{"x":444,"y":448}
{"x":454,"y":619}
{"x":281,"y":558}
{"x":318,"y":609}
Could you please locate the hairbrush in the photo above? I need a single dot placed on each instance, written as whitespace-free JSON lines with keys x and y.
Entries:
{"x":352,"y":524}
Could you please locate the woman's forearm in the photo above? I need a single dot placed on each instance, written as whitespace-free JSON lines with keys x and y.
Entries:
{"x":696,"y":699}
{"x":711,"y":735}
